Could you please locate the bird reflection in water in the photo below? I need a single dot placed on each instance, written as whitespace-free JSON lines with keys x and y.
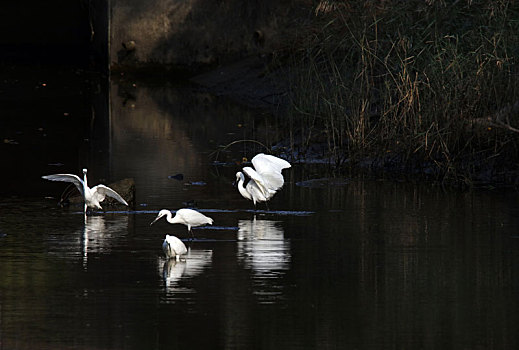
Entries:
{"x":99,"y":233}
{"x":174,"y":272}
{"x":263,"y":249}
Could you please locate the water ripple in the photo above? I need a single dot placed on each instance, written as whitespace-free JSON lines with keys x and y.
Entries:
{"x":269,"y":212}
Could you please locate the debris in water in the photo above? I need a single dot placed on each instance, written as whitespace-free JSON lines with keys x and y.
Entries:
{"x":196,"y":183}
{"x":178,"y":177}
{"x":323,"y":182}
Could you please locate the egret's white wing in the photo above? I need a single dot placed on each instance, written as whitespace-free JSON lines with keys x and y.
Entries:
{"x":173,"y":246}
{"x":193,"y":217}
{"x":180,"y":247}
{"x":100,"y":191}
{"x":269,"y":168}
{"x":256,"y":192}
{"x":273,"y":181}
{"x":258,"y":179}
{"x":265,"y":163}
{"x":67,"y":178}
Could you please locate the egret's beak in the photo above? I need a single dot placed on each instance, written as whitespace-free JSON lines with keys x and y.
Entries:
{"x":158,"y":217}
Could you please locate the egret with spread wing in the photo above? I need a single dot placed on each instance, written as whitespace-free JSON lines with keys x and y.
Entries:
{"x":265,"y":179}
{"x":91,"y":196}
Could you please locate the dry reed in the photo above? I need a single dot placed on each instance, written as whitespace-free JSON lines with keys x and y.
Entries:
{"x":433,"y":82}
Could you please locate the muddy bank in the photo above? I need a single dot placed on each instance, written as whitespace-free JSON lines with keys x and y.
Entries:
{"x":254,"y":83}
{"x":479,"y":173}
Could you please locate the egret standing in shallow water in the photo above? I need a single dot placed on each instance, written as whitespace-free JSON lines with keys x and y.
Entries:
{"x":173,"y":247}
{"x":265,"y":180}
{"x":91,"y":196}
{"x":188,"y":217}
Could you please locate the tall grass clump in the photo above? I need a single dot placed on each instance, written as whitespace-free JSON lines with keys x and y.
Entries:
{"x":428,"y":82}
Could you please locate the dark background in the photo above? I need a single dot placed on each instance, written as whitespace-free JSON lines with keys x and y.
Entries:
{"x":57,"y":32}
{"x":53,"y":81}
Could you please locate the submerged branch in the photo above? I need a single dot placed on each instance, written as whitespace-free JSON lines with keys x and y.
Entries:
{"x":217,"y":152}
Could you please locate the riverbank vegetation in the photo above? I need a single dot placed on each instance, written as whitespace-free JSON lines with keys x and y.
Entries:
{"x":428,"y":86}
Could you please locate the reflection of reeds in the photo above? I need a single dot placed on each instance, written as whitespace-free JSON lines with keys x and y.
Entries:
{"x":425,"y":80}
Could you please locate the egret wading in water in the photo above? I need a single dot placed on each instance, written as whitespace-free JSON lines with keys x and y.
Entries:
{"x":91,"y":196}
{"x":173,"y":247}
{"x":189,"y":217}
{"x":265,"y":179}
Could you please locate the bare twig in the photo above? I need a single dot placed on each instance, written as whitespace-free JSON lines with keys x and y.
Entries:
{"x":217,"y":152}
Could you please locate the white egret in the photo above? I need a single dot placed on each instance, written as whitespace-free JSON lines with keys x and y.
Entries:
{"x":173,"y":247}
{"x":188,"y":217}
{"x":265,"y":179}
{"x":91,"y":196}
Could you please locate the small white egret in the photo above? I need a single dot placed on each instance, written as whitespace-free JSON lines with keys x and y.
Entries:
{"x":91,"y":196}
{"x":188,"y":217}
{"x":265,"y":180}
{"x":173,"y":247}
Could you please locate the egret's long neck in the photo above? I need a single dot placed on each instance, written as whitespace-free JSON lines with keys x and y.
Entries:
{"x":85,"y":183}
{"x":86,"y":194}
{"x":242,"y":189}
{"x":171,"y":219}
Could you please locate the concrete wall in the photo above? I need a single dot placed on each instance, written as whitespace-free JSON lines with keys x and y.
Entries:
{"x":190,"y":33}
{"x":168,"y":33}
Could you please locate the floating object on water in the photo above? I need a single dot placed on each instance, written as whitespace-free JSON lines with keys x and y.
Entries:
{"x":189,"y":203}
{"x":173,"y":247}
{"x":265,"y":180}
{"x":189,"y":217}
{"x":178,"y":177}
{"x":91,"y":196}
{"x":323,"y":182}
{"x":196,"y":183}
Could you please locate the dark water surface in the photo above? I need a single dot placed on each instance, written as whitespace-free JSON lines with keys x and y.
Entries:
{"x":362,"y":264}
